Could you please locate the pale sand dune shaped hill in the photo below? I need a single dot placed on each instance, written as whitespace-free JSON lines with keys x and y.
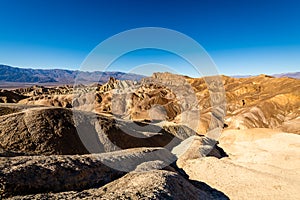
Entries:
{"x":262,"y":164}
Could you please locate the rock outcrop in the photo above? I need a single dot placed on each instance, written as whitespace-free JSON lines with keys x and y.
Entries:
{"x":50,"y":131}
{"x":41,"y":152}
{"x":163,"y":185}
{"x":199,"y":103}
{"x":56,"y":173}
{"x":7,"y":96}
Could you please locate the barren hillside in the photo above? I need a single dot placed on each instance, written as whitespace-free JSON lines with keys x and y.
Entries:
{"x":153,"y":139}
{"x":255,"y":102}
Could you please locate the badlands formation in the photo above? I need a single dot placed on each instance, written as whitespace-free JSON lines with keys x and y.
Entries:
{"x":164,"y":137}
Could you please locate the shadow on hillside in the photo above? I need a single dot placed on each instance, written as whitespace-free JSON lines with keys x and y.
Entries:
{"x":214,"y":193}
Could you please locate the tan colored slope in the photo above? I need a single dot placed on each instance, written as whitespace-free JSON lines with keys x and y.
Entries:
{"x":255,"y":102}
{"x":262,"y":164}
{"x":64,"y":101}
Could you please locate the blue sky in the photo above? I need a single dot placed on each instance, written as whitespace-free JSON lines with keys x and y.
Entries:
{"x":242,"y":37}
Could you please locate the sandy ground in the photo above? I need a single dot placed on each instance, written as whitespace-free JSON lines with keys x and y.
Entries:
{"x":262,"y":164}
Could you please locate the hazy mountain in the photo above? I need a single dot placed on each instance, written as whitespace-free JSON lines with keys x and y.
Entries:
{"x":291,"y":75}
{"x":240,"y":76}
{"x":14,"y":74}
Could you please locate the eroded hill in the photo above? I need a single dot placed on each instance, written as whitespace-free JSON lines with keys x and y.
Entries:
{"x":94,"y":141}
{"x":254,"y":102}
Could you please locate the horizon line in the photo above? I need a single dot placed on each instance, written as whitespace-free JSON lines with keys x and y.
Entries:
{"x":72,"y":69}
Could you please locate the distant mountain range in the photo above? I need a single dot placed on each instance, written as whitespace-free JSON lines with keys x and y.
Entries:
{"x":12,"y":75}
{"x":41,"y":76}
{"x":290,"y":75}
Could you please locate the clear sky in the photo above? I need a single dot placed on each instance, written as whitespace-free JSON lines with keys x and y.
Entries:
{"x":241,"y":36}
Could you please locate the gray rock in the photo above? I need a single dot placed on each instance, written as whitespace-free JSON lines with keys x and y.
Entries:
{"x":158,"y":184}
{"x":55,"y":173}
